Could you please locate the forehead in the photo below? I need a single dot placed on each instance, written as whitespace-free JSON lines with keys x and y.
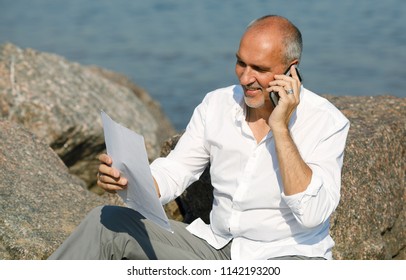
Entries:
{"x":260,"y":47}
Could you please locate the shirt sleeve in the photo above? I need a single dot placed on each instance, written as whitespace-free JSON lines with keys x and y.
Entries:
{"x":187,"y":161}
{"x":315,"y":205}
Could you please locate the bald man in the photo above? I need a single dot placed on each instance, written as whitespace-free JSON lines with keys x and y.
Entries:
{"x":275,"y":151}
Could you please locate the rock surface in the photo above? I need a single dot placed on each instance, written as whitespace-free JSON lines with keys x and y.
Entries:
{"x":60,"y":102}
{"x":370,"y":222}
{"x":41,"y":203}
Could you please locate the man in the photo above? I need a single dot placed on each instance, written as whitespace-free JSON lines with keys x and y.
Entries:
{"x":275,"y":169}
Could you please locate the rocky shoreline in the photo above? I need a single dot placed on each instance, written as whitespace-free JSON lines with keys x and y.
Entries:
{"x":51,"y":134}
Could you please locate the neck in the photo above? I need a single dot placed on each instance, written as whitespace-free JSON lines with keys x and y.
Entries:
{"x":259,"y":114}
{"x":257,"y":120}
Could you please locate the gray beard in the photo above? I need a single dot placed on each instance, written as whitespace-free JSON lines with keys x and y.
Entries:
{"x":254,"y":106}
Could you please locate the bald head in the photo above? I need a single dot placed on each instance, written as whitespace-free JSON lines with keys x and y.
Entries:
{"x":282,"y":29}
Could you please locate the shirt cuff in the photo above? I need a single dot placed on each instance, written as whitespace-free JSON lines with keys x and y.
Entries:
{"x":297,"y":202}
{"x":160,"y":178}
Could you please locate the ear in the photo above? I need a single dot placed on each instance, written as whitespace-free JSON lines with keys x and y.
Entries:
{"x":295,"y":62}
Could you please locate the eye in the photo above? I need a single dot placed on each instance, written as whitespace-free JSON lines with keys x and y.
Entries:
{"x":241,"y":63}
{"x":260,"y":69}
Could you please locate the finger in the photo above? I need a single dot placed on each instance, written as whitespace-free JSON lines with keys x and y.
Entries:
{"x":290,"y":85}
{"x":111,"y":184}
{"x":109,"y":187}
{"x":284,"y":97}
{"x":279,"y":82}
{"x":293,"y":72}
{"x":282,"y":80}
{"x":106,"y":159}
{"x":295,"y":76}
{"x":282,"y":77}
{"x":110,"y":171}
{"x":280,"y":90}
{"x":279,"y":86}
{"x":276,"y":88}
{"x":121,"y":181}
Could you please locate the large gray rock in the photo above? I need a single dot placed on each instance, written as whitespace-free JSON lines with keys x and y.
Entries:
{"x":60,"y":102}
{"x":370,"y":222}
{"x":166,"y":127}
{"x":40,"y":201}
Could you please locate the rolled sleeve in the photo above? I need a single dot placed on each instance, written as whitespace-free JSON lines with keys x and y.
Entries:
{"x":315,"y":205}
{"x":159,"y":172}
{"x":298,"y":201}
{"x":307,"y":206}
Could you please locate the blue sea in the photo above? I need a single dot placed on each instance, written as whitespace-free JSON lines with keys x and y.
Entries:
{"x":178,"y":50}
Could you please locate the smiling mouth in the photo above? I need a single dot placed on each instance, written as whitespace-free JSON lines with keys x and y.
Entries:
{"x":251,"y":91}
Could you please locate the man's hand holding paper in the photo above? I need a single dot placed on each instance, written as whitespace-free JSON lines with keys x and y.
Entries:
{"x":126,"y":170}
{"x":110,"y":178}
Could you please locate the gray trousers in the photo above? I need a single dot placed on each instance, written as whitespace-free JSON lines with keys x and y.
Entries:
{"x":114,"y":232}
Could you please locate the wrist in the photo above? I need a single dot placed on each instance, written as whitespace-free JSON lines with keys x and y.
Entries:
{"x":280,"y":129}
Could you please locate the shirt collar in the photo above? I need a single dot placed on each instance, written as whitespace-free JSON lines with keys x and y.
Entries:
{"x":240,"y":112}
{"x":239,"y":108}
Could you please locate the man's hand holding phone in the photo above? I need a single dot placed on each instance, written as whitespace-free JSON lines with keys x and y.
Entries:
{"x":284,"y":92}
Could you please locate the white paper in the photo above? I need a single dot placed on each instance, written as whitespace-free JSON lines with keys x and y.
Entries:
{"x":127,"y":150}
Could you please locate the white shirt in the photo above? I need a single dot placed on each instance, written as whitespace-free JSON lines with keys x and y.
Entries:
{"x":249,"y":205}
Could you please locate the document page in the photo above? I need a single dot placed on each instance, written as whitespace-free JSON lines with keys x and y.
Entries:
{"x":127,"y":149}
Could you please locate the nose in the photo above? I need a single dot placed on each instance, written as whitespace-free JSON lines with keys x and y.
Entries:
{"x":245,"y":76}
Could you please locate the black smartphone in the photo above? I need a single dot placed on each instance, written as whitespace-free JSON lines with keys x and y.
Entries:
{"x":274,"y":96}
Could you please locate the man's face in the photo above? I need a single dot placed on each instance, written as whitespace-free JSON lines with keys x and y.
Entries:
{"x":259,"y":58}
